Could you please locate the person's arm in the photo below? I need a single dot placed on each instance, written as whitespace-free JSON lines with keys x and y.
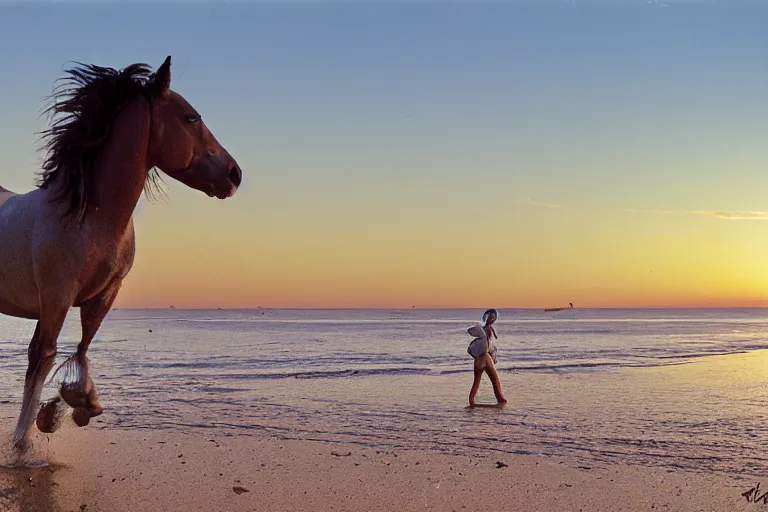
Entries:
{"x":494,"y":333}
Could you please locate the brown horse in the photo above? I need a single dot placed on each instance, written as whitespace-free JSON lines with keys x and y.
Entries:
{"x":70,"y":242}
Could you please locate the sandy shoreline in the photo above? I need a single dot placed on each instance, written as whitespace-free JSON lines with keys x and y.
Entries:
{"x":95,"y":469}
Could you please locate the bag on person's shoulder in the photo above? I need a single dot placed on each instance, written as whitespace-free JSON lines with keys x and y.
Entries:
{"x":480,"y":345}
{"x":477,"y":347}
{"x":476,"y":331}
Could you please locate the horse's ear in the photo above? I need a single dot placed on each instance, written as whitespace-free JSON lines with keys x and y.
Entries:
{"x":162,"y":80}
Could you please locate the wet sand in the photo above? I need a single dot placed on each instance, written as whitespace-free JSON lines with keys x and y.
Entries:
{"x":103,"y":469}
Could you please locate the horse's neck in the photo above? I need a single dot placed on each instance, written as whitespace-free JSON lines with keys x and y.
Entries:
{"x":121,"y":168}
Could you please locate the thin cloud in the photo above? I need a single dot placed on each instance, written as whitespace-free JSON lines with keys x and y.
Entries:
{"x":640,"y":210}
{"x":543,"y":205}
{"x":709,"y":213}
{"x":733,"y":215}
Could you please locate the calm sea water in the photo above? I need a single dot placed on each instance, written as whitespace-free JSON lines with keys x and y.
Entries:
{"x":672,"y":388}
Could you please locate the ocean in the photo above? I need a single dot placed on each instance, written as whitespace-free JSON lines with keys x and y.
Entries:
{"x":659,"y":387}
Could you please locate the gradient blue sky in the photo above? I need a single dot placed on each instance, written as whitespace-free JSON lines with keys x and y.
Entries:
{"x":380,"y":141}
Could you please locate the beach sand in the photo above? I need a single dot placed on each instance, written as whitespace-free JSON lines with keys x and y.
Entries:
{"x":103,"y":469}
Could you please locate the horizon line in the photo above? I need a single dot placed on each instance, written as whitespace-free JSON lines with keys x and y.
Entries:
{"x":423,"y":308}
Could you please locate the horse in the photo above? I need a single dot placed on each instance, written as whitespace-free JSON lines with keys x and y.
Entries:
{"x":70,"y":242}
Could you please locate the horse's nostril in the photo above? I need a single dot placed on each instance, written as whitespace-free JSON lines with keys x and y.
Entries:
{"x":236,"y":175}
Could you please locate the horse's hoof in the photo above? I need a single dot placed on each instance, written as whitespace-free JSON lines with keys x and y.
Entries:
{"x":74,"y":397}
{"x":49,"y":418}
{"x":81,"y":416}
{"x":93,"y":404}
{"x":77,"y":394}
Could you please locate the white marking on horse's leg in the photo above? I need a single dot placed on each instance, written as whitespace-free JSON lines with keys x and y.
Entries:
{"x":33,"y":388}
{"x":71,"y":372}
{"x":42,"y":355}
{"x":19,"y":435}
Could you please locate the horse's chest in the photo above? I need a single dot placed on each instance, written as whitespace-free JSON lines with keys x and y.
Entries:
{"x":107,"y":268}
{"x":106,"y":265}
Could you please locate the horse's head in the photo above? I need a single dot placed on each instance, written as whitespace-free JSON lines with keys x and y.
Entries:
{"x":182,"y":146}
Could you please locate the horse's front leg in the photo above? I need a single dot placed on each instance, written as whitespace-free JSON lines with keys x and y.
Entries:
{"x":78,"y":389}
{"x":41,"y":355}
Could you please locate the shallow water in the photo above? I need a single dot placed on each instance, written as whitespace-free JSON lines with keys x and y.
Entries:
{"x":672,"y":388}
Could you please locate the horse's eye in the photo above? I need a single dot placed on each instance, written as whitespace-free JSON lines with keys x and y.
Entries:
{"x":192,"y":118}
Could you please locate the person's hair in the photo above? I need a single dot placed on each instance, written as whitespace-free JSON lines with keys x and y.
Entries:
{"x":488,"y":313}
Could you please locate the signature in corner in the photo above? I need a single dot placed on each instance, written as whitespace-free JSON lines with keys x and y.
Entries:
{"x":753,"y":495}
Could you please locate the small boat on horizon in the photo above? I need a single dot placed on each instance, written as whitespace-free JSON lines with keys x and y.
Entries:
{"x":547,"y":310}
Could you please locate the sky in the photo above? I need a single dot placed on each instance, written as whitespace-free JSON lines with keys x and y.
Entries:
{"x":436,"y":154}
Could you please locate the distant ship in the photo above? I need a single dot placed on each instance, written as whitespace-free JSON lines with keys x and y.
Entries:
{"x":547,"y":310}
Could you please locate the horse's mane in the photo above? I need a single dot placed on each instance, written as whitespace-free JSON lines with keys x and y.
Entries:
{"x":83,"y":108}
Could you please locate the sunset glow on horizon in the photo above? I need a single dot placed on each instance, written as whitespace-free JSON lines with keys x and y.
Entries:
{"x":438,"y":154}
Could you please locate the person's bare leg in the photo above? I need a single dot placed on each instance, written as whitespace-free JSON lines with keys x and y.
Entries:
{"x":490,"y":369}
{"x":476,"y":384}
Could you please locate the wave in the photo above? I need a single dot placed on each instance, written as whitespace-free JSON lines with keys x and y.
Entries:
{"x":401,"y":371}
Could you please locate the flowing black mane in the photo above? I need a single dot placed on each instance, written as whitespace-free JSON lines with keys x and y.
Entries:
{"x":83,"y":108}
